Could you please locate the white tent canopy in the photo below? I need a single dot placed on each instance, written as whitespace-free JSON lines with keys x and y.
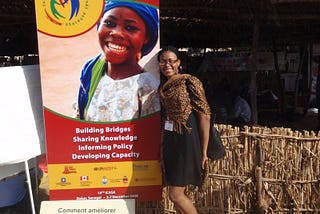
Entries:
{"x":22,"y":129}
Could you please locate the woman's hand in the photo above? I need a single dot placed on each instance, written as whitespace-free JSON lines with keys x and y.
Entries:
{"x":204,"y":162}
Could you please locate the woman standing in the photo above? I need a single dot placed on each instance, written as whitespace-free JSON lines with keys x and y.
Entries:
{"x":186,"y":122}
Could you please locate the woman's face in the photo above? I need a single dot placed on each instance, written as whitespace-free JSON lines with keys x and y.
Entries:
{"x":122,"y":33}
{"x":169,"y":64}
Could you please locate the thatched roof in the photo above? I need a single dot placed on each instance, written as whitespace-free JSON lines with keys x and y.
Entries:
{"x":191,"y":23}
{"x":17,"y":27}
{"x":226,"y":23}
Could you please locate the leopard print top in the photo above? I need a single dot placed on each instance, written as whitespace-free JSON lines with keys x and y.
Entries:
{"x":179,"y":96}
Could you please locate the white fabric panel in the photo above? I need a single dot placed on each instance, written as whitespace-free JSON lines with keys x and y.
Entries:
{"x":22,"y":129}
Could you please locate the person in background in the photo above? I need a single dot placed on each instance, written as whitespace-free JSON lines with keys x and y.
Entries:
{"x":186,"y":123}
{"x":114,"y":87}
{"x":241,"y":111}
{"x":14,"y":194}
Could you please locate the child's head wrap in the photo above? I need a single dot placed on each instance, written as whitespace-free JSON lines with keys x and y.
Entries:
{"x":148,"y":13}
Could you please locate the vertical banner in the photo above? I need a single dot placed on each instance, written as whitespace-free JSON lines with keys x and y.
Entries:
{"x":99,"y":82}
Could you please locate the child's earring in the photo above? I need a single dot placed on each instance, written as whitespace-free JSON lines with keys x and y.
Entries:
{"x":139,"y":56}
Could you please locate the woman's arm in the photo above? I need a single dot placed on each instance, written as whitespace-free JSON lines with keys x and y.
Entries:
{"x":201,"y":106}
{"x":204,"y":131}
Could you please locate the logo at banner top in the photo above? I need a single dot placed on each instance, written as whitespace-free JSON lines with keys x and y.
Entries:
{"x":67,"y":18}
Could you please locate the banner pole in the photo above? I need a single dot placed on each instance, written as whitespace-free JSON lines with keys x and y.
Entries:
{"x":29,"y":186}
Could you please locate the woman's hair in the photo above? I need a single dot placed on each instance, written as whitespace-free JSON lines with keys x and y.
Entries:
{"x":168,"y":48}
{"x":149,"y":15}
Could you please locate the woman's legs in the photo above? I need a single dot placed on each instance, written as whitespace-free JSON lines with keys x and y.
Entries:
{"x":181,"y":201}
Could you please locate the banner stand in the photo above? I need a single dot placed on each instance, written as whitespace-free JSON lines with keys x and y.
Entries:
{"x":27,"y":170}
{"x":107,"y":156}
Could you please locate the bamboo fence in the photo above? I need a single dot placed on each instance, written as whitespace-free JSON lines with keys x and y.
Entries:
{"x":265,"y":170}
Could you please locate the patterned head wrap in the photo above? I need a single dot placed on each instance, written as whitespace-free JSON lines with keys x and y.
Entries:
{"x":148,"y":13}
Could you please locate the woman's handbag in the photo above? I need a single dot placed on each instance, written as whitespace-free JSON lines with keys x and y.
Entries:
{"x":216,"y":149}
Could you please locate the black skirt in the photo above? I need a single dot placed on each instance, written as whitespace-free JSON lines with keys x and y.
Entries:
{"x":182,"y":155}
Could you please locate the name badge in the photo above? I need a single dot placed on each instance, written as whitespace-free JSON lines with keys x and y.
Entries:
{"x":168,"y":125}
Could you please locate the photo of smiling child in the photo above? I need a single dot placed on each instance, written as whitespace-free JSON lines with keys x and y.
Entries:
{"x":113,"y":86}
